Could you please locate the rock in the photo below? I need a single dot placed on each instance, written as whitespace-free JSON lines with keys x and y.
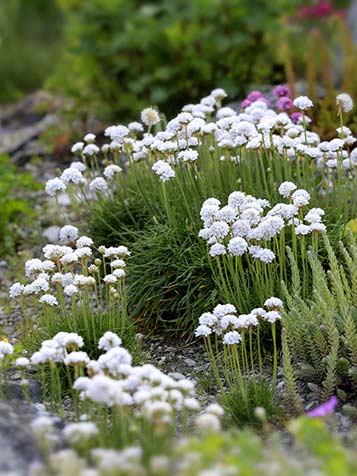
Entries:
{"x":190,"y":362}
{"x":176,"y":376}
{"x":345,"y":422}
{"x":12,"y":141}
{"x":30,"y":149}
{"x":139,"y":337}
{"x":310,"y":405}
{"x":51,"y":233}
{"x":313,"y":387}
{"x":17,"y":447}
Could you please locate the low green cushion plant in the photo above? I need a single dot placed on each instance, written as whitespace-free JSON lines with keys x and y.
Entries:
{"x":320,"y":334}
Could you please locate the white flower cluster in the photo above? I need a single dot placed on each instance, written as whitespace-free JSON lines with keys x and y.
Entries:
{"x":70,"y":269}
{"x":6,"y":349}
{"x":127,"y":461}
{"x":163,"y":170}
{"x":242,"y":226}
{"x":223,"y":320}
{"x":78,"y":174}
{"x":113,"y":381}
{"x":257,"y":127}
{"x":63,"y":347}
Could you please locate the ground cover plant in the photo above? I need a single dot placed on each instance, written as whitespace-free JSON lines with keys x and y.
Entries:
{"x":127,"y":418}
{"x":321,"y":333}
{"x":67,"y":285}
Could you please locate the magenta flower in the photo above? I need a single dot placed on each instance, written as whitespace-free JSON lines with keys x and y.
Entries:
{"x":284,"y":103}
{"x":322,"y":9}
{"x":246,"y":103}
{"x":296,"y":116}
{"x":324,"y":409}
{"x":280,"y":91}
{"x":254,"y":96}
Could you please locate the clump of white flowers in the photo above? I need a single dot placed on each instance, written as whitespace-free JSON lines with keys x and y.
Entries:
{"x":240,"y":335}
{"x":257,"y":128}
{"x":69,"y":278}
{"x":163,"y":170}
{"x":141,"y":392}
{"x":224,"y":321}
{"x":244,"y":226}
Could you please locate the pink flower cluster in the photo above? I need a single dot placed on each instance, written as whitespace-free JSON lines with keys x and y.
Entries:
{"x":252,"y":97}
{"x":324,"y":8}
{"x":284,"y":101}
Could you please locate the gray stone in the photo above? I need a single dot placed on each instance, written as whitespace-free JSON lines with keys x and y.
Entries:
{"x":139,"y":337}
{"x":310,"y":405}
{"x":176,"y":376}
{"x":190,"y":362}
{"x":17,"y":447}
{"x":12,"y":141}
{"x":313,"y":387}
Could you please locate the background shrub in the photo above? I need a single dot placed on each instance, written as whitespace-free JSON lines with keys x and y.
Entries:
{"x":29,"y":40}
{"x":125,"y":54}
{"x":15,"y":209}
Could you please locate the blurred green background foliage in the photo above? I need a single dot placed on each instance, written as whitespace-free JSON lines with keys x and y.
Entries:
{"x":115,"y":57}
{"x":30,"y":38}
{"x":126,"y":54}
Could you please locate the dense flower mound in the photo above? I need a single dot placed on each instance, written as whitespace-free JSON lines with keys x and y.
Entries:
{"x":241,"y":367}
{"x":223,"y":320}
{"x":241,"y":226}
{"x":150,"y":179}
{"x":112,"y":380}
{"x":69,"y":270}
{"x":257,"y":127}
{"x":263,"y":185}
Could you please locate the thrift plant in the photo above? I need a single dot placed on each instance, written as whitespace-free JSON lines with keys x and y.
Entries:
{"x":76,"y":291}
{"x":146,"y":187}
{"x":233,"y":344}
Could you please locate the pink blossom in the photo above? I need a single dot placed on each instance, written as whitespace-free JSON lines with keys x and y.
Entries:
{"x":284,"y":103}
{"x":324,"y":409}
{"x":281,"y":90}
{"x":254,"y":96}
{"x":246,"y":103}
{"x":324,"y":8}
{"x":263,"y":99}
{"x":295,"y":117}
